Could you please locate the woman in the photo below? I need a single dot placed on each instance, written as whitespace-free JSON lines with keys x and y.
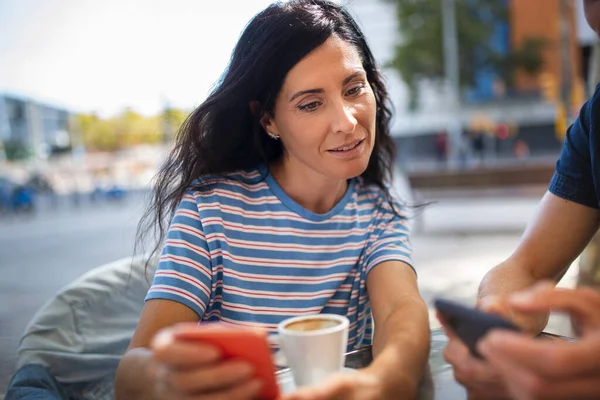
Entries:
{"x":277,"y":185}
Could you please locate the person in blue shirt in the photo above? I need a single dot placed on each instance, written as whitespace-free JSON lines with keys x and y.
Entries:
{"x":522,"y":288}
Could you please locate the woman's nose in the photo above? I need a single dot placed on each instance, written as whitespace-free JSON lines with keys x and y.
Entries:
{"x":345,"y":121}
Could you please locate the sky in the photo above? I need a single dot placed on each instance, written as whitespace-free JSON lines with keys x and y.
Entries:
{"x":105,"y":55}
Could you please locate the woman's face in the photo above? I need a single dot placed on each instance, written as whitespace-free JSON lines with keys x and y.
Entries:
{"x":325,"y":113}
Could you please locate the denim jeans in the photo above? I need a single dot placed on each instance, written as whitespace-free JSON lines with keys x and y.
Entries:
{"x":35,"y":382}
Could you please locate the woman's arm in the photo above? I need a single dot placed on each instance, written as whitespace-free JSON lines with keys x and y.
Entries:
{"x":134,"y":379}
{"x":553,"y":239}
{"x":401,"y":342}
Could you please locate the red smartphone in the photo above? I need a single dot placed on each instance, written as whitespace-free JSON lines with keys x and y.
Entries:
{"x":241,"y":344}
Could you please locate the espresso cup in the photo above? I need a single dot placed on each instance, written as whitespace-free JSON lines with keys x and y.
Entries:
{"x":314,"y":346}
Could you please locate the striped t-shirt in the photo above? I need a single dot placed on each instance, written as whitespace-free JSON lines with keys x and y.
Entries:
{"x":239,"y":250}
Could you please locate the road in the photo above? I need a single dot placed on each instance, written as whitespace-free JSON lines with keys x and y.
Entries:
{"x":40,"y":254}
{"x":457,"y":242}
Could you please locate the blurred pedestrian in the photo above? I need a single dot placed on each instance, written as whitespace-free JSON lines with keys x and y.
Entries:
{"x":521,"y":149}
{"x":441,"y":147}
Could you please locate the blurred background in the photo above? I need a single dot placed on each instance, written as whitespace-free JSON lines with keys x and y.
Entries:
{"x":92,"y":93}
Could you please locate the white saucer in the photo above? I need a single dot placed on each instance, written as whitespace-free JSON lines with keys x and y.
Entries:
{"x":286,"y":383}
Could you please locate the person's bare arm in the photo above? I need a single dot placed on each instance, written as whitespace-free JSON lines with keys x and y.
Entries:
{"x":400,"y":346}
{"x":553,"y":239}
{"x":401,"y":342}
{"x":134,"y":378}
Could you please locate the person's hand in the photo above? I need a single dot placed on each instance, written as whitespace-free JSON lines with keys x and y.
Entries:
{"x":185,"y":370}
{"x":550,"y":369}
{"x":480,"y":379}
{"x":358,"y":385}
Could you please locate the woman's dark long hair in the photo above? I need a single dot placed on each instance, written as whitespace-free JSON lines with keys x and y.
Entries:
{"x":224,"y":135}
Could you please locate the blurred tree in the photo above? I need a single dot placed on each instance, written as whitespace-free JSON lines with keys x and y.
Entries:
{"x":172,"y":119}
{"x":97,"y":134}
{"x":420,"y":56}
{"x":127,"y":129}
{"x":15,"y":150}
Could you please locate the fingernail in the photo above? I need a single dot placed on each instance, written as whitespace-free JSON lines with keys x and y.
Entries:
{"x":162,"y":340}
{"x":521,"y":298}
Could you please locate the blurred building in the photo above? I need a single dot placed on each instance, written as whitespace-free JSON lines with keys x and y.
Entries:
{"x":530,"y":112}
{"x":554,"y":21}
{"x":32,"y":127}
{"x":587,"y":40}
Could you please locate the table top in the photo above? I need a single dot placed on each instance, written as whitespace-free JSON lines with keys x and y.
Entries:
{"x":438,"y":381}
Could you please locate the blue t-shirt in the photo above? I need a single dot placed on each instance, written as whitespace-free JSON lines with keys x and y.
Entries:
{"x":577,"y":176}
{"x":241,"y":251}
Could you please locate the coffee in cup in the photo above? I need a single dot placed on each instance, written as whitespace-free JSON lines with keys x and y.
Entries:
{"x":314,"y":346}
{"x":311,"y":324}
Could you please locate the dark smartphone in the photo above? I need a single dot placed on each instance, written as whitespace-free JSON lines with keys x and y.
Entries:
{"x":470,"y":324}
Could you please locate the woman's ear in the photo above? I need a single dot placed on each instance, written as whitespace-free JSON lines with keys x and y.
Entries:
{"x":266,"y":121}
{"x":269,"y":126}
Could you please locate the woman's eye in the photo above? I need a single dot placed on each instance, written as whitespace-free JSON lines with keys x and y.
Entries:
{"x":355,"y":90}
{"x":310,"y":106}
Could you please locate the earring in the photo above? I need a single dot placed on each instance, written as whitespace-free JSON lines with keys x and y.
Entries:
{"x":273,"y":136}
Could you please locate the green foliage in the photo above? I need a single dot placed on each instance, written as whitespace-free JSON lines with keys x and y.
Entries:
{"x":419,"y":55}
{"x":127,"y":129}
{"x":15,"y":150}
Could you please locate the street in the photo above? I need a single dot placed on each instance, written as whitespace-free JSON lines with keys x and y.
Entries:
{"x":459,"y":239}
{"x":40,"y":254}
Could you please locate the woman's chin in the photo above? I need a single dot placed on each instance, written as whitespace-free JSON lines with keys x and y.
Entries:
{"x":351,"y":170}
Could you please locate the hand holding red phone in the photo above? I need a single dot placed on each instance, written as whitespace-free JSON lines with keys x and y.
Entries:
{"x":185,"y":368}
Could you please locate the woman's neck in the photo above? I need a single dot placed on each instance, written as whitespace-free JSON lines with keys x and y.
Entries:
{"x":308,"y":188}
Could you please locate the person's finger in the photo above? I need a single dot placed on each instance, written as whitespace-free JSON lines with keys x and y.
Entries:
{"x":524,"y":385}
{"x":545,"y":358}
{"x":574,"y":389}
{"x":468,"y":370}
{"x":182,"y":355}
{"x":583,"y":304}
{"x":495,"y":305}
{"x":455,"y":351}
{"x":222,"y":376}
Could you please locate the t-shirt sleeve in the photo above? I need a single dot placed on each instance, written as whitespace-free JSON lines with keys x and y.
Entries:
{"x":390,"y":238}
{"x":573,"y":179}
{"x":184,"y":272}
